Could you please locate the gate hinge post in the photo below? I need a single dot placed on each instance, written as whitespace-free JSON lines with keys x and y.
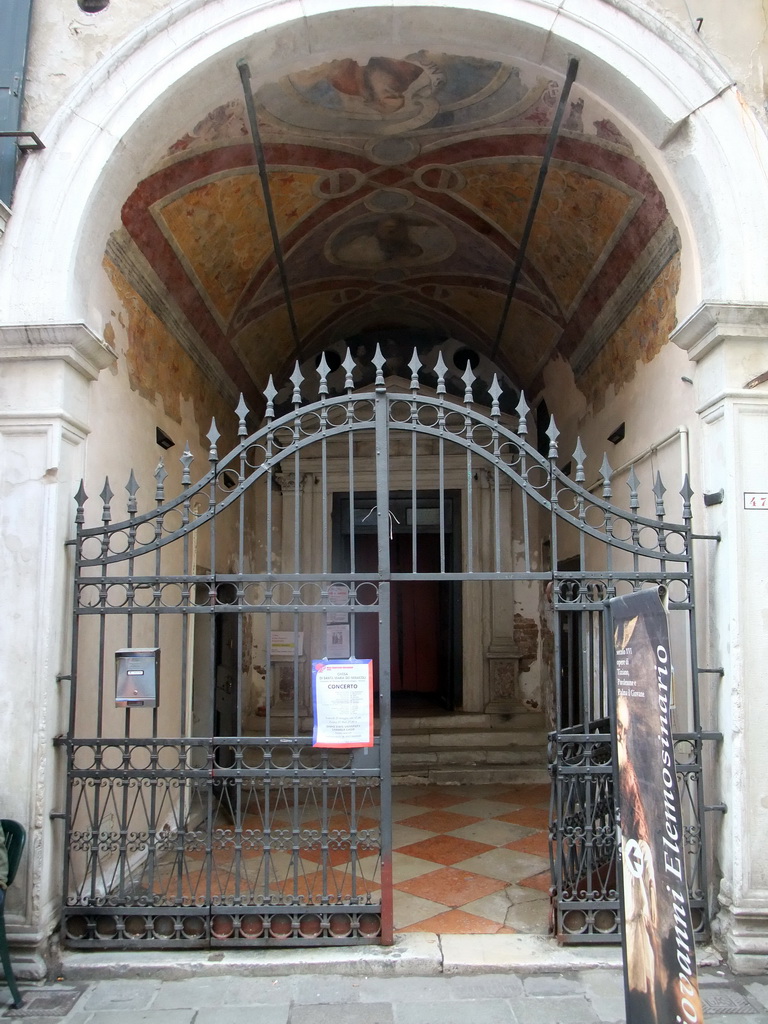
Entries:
{"x":716,"y":807}
{"x":707,"y":536}
{"x":716,"y":736}
{"x":57,"y":816}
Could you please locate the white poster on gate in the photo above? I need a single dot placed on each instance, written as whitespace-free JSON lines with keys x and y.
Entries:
{"x":342,"y":703}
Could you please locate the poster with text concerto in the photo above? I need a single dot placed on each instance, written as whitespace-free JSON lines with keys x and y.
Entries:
{"x":342,"y":703}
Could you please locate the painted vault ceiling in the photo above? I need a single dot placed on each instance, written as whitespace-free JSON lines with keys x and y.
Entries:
{"x":400,"y":189}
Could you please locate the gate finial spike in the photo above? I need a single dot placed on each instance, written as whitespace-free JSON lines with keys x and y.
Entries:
{"x":349,"y":365}
{"x":440,"y":369}
{"x":160,"y":474}
{"x":378,"y":361}
{"x":495,"y":392}
{"x":242,"y":411}
{"x":107,"y":494}
{"x":213,"y":436}
{"x":606,"y":473}
{"x":186,"y":459}
{"x":323,"y":370}
{"x":522,"y":411}
{"x":469,"y":378}
{"x":686,"y":493}
{"x":297,"y":379}
{"x":633,"y":484}
{"x":269,"y":393}
{"x":132,"y":487}
{"x":552,"y":433}
{"x":81,"y":497}
{"x":415,"y":366}
{"x":579,"y":454}
{"x":659,"y":490}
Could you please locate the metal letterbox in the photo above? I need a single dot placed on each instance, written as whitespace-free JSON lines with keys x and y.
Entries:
{"x":137,"y":674}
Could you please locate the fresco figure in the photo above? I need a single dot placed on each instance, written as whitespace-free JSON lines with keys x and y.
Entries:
{"x":380,"y":85}
{"x":385,"y":96}
{"x":392,"y":239}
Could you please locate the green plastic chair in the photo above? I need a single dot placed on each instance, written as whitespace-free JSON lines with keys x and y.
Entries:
{"x":15,"y":838}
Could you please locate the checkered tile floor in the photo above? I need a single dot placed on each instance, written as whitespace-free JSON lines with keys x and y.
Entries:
{"x":471,"y":859}
{"x":466,"y":859}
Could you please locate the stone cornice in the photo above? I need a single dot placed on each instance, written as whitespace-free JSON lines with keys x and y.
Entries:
{"x":74,"y":344}
{"x":713,"y":322}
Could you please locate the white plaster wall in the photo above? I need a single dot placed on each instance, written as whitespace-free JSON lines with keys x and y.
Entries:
{"x":41,"y":459}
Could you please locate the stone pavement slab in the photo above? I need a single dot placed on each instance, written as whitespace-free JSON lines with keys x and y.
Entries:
{"x":484,"y":1011}
{"x":563,"y":989}
{"x":340,"y":1013}
{"x":235,"y":1015}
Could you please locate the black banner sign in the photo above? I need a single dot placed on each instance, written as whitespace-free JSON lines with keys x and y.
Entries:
{"x":660,"y":979}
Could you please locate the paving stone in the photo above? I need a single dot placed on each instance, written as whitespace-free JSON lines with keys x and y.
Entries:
{"x":235,"y":1015}
{"x":341,"y":1013}
{"x":139,"y":1017}
{"x":553,"y":985}
{"x":609,"y":1008}
{"x":487,"y":1011}
{"x":323,"y":988}
{"x":122,"y":994}
{"x":396,"y":990}
{"x":758,"y":990}
{"x":607,"y":984}
{"x":546,"y":1010}
{"x":213,"y":991}
{"x":604,"y":991}
{"x":484,"y":986}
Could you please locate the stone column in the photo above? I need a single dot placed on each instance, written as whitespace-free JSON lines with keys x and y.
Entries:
{"x":729,"y":344}
{"x":284,"y":681}
{"x":45,"y":375}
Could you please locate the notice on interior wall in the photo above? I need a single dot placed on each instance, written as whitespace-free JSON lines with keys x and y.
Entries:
{"x":285,"y":643}
{"x":659,"y":952}
{"x":342,"y":703}
{"x":337,"y":641}
{"x":338,"y":594}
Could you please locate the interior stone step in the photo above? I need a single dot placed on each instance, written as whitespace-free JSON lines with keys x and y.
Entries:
{"x":470,"y":775}
{"x":482,"y":756}
{"x":459,"y":721}
{"x":470,"y":739}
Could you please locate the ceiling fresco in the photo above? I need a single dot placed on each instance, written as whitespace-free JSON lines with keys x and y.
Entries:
{"x":400,"y":190}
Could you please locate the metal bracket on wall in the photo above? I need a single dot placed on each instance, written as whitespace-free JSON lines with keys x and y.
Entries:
{"x":35,"y":141}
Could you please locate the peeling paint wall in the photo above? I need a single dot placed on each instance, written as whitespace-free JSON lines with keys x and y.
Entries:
{"x":159,"y":370}
{"x":637,"y":340}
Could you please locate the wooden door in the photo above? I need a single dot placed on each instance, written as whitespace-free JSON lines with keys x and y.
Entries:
{"x":415,"y":614}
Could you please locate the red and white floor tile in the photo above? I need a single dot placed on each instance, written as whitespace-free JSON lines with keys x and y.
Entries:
{"x":471,"y":859}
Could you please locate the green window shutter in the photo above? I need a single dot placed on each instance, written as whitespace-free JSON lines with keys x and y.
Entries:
{"x":14,"y":34}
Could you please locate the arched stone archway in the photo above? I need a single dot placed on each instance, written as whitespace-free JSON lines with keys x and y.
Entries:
{"x":703,"y":149}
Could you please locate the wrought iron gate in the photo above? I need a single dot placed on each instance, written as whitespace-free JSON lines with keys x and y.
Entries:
{"x":210,"y":819}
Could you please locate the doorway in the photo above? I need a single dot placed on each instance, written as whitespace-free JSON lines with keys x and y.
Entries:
{"x":425,"y":620}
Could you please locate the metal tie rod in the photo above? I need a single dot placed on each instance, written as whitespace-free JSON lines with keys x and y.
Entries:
{"x":245,"y":78}
{"x":570,"y":77}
